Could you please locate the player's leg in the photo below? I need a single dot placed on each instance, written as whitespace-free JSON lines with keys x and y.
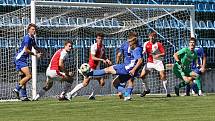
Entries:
{"x":102,"y":72}
{"x":164,"y":81}
{"x":101,"y":81}
{"x":68,"y":80}
{"x":183,"y":76}
{"x":48,"y":85}
{"x":23,"y":92}
{"x":16,"y":92}
{"x":129,"y":89}
{"x":119,"y":84}
{"x":197,"y":78}
{"x":77,"y":88}
{"x":24,"y":79}
{"x":143,"y":75}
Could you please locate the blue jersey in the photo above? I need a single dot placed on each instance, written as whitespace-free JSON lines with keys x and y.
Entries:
{"x":124,"y":49}
{"x":200,"y":55}
{"x":133,"y":56}
{"x":27,"y":42}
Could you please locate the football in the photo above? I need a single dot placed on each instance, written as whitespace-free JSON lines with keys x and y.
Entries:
{"x":85,"y":68}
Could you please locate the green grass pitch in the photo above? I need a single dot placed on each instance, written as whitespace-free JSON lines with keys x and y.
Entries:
{"x":110,"y":108}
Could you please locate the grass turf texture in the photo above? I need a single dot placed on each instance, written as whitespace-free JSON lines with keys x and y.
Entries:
{"x":110,"y":108}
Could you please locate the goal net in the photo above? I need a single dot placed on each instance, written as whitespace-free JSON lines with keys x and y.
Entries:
{"x":79,"y":22}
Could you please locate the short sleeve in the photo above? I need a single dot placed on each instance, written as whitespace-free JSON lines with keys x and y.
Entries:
{"x":63,"y":54}
{"x":182,"y":51}
{"x":93,"y":49}
{"x":161,"y":47}
{"x":138,"y":53}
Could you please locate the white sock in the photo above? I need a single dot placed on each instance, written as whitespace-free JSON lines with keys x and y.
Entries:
{"x":77,"y":88}
{"x":166,"y":87}
{"x":93,"y":94}
{"x":145,"y":85}
{"x":62,"y":94}
{"x":200,"y":92}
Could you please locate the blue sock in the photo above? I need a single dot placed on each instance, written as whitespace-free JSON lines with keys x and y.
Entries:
{"x":129,"y":90}
{"x":97,"y":73}
{"x":23,"y":92}
{"x":126,"y":94}
{"x":194,"y":87}
{"x":188,"y":87}
{"x":121,"y":89}
{"x":18,"y":87}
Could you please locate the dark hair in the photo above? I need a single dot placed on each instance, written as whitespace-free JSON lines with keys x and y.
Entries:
{"x":132,"y":35}
{"x":153,"y":34}
{"x":67,"y":41}
{"x":193,"y":39}
{"x":100,"y":35}
{"x":31,"y":25}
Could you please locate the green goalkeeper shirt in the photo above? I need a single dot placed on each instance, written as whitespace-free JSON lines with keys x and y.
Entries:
{"x":186,"y":56}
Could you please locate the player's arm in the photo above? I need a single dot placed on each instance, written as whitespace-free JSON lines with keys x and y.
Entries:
{"x":177,"y":58}
{"x":107,"y":61}
{"x":118,"y":57}
{"x":139,"y":57}
{"x":39,"y":50}
{"x":204,"y":58}
{"x":177,"y":54}
{"x":144,"y":47}
{"x":119,"y":54}
{"x":161,"y":49}
{"x":62,"y":68}
{"x":61,"y":64}
{"x":93,"y":53}
{"x":26,"y":48}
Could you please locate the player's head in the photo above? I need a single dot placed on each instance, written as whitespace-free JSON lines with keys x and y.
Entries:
{"x":132,"y":39}
{"x":153,"y":36}
{"x":192,"y":43}
{"x":99,"y":38}
{"x":68,"y":45}
{"x":31,"y":29}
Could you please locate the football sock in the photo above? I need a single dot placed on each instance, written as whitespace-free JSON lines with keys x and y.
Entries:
{"x":129,"y":90}
{"x":97,"y":73}
{"x":198,"y":82}
{"x":166,"y":87}
{"x":23,"y":92}
{"x":77,"y":88}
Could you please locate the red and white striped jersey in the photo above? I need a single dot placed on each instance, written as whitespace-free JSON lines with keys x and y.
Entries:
{"x":59,"y":54}
{"x":99,"y":52}
{"x":153,"y":49}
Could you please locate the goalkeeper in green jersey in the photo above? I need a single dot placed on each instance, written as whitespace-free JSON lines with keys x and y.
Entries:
{"x":181,"y":69}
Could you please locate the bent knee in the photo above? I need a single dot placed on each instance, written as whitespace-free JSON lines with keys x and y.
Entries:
{"x":28,"y":75}
{"x":102,"y":84}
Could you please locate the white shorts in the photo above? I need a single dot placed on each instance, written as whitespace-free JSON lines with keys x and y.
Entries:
{"x":55,"y":74}
{"x":157,"y":65}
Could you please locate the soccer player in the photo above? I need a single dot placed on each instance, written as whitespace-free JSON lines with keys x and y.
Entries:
{"x":21,"y":61}
{"x":198,"y":68}
{"x":120,"y":81}
{"x":155,"y":53}
{"x":97,"y":55}
{"x":57,"y":71}
{"x":181,"y":68}
{"x":128,"y":68}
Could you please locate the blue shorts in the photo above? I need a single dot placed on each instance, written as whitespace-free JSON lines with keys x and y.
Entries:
{"x":124,"y":78}
{"x":20,"y":65}
{"x":197,"y":70}
{"x":120,"y":69}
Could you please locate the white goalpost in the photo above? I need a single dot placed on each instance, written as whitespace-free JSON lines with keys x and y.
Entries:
{"x":59,"y":21}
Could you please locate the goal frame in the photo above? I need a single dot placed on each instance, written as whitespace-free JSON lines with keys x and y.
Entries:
{"x":35,"y":3}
